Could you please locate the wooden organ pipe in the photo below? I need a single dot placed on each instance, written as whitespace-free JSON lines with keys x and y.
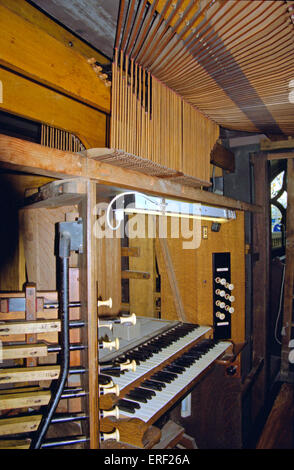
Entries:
{"x":152,"y":121}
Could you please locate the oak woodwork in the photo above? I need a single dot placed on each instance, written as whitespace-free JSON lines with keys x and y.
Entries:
{"x":22,"y":97}
{"x":62,"y":68}
{"x":33,"y":158}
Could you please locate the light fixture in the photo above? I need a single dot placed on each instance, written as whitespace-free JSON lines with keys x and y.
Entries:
{"x":150,"y":205}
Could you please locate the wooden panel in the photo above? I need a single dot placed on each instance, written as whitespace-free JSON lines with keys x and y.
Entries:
{"x":216,"y":417}
{"x":22,"y":46}
{"x":23,"y":97}
{"x":12,"y":191}
{"x":38,"y":231}
{"x":141,"y":291}
{"x":193,"y":271}
{"x":278,"y":430}
{"x":109,"y":272}
{"x":35,"y":16}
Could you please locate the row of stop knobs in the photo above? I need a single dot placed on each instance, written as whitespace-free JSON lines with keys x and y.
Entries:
{"x":225,"y":295}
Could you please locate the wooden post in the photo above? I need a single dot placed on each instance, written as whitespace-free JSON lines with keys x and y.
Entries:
{"x":261,"y":257}
{"x":289,"y":273}
{"x":88,"y":296}
{"x":31,"y":314}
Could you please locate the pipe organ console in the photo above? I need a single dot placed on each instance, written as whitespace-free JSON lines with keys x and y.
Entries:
{"x":145,"y":367}
{"x":100,"y":380}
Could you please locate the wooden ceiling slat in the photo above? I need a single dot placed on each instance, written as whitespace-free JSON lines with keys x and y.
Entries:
{"x":234,"y":64}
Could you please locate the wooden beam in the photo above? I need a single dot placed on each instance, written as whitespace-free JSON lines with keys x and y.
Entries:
{"x":128,"y":274}
{"x":22,"y":46}
{"x":33,"y":158}
{"x":276,"y":145}
{"x":174,"y":287}
{"x":130,"y":251}
{"x":15,"y":444}
{"x":280,"y":156}
{"x":29,"y":374}
{"x":35,"y":16}
{"x":11,"y":401}
{"x":31,"y":315}
{"x":88,"y":296}
{"x":222,"y":157}
{"x":19,"y":425}
{"x":24,"y":351}
{"x":26,"y":98}
{"x":29,"y":327}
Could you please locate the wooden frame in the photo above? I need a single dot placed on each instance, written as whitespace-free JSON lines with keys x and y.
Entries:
{"x":33,"y":158}
{"x":261,"y":273}
{"x":83,"y":193}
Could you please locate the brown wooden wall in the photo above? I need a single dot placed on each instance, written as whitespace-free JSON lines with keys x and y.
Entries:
{"x":193,"y":269}
{"x":191,"y":273}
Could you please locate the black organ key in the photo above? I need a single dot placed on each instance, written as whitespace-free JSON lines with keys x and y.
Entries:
{"x":136,"y":355}
{"x":162,"y":377}
{"x":153,"y":385}
{"x":130,"y":403}
{"x":155,"y":349}
{"x":183,"y":362}
{"x":136,"y":397}
{"x":144,"y":392}
{"x":175,"y":369}
{"x":114,"y":373}
{"x":127,"y":405}
{"x":127,"y":409}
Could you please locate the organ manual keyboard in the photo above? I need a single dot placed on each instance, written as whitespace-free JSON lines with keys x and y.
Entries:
{"x":170,"y":357}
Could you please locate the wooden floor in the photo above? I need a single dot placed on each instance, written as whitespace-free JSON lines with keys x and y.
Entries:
{"x":278,"y":432}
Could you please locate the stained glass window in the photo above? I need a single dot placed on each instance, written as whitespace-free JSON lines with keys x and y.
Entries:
{"x":283,"y":200}
{"x":277,"y":184}
{"x":276,"y":219}
{"x":278,"y":207}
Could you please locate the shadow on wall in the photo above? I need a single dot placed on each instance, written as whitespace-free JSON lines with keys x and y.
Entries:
{"x":10,"y":201}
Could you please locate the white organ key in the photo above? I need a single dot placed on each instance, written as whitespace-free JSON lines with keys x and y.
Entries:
{"x":157,"y":358}
{"x":162,"y":398}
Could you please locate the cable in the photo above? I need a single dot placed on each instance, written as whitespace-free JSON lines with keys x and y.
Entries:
{"x":128,"y":193}
{"x":280,"y":305}
{"x":58,"y":386}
